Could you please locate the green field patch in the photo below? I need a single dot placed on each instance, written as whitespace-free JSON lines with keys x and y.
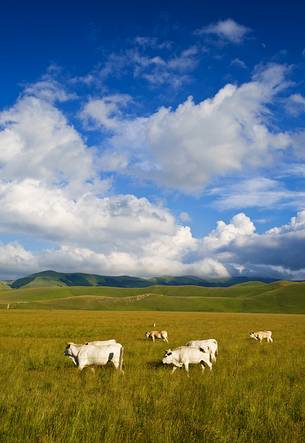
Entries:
{"x":285,"y":297}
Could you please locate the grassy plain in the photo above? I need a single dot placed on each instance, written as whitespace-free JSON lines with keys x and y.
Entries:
{"x":254,"y":394}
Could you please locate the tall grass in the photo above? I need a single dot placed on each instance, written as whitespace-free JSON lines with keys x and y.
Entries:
{"x":254,"y":394}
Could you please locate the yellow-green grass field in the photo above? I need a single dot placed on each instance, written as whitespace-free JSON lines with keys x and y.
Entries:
{"x":256,"y":392}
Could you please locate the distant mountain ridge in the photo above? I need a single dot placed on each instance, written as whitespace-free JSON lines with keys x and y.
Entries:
{"x":60,"y":279}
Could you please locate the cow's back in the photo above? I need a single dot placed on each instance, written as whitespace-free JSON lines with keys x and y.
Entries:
{"x":102,"y":342}
{"x":99,"y":355}
{"x":264,"y":333}
{"x":189,"y":353}
{"x":203,"y":343}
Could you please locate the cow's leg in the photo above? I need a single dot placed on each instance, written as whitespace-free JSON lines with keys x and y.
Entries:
{"x":202,"y":367}
{"x":118,"y":366}
{"x":174,"y":369}
{"x":153,"y":338}
{"x":92,"y":370}
{"x":270,"y":340}
{"x":165,"y":339}
{"x":186,"y":365}
{"x":206,"y":363}
{"x":83,"y":364}
{"x":74,"y":359}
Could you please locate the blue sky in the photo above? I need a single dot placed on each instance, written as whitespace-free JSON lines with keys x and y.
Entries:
{"x":165,"y":138}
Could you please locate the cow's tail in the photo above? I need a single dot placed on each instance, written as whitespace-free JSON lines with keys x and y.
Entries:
{"x":216,"y":350}
{"x":121,"y":359}
{"x":211,"y":356}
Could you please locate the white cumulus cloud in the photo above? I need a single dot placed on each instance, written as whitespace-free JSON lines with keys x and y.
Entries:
{"x":240,"y":227}
{"x":187,"y":147}
{"x":37,"y":142}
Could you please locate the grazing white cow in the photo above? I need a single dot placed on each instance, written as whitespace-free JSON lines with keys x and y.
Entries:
{"x":186,"y":355}
{"x":161,"y":335}
{"x":72,"y":349}
{"x":210,"y":345}
{"x":98,"y":355}
{"x":260,"y":335}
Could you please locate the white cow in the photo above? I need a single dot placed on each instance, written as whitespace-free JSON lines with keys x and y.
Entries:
{"x":161,"y":335}
{"x":72,"y":349}
{"x":186,"y":355}
{"x":98,"y":355}
{"x":210,"y":345}
{"x":260,"y":335}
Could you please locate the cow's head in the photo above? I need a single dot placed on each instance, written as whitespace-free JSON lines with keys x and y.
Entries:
{"x":147,"y":334}
{"x":253,"y":335}
{"x":68,"y":351}
{"x":71,"y":351}
{"x":168,"y":357}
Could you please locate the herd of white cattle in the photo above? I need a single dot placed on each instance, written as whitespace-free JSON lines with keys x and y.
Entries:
{"x":101,"y":352}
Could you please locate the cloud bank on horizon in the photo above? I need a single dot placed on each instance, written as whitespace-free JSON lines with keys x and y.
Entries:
{"x":108,"y":179}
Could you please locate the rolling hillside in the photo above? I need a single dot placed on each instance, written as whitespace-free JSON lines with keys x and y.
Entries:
{"x":55,"y":279}
{"x":276,"y":297}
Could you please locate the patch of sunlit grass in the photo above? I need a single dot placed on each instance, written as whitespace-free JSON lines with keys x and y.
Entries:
{"x":254,"y":394}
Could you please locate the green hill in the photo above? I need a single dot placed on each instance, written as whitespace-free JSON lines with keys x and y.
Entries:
{"x":52,"y":278}
{"x":276,"y":297}
{"x":55,"y":279}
